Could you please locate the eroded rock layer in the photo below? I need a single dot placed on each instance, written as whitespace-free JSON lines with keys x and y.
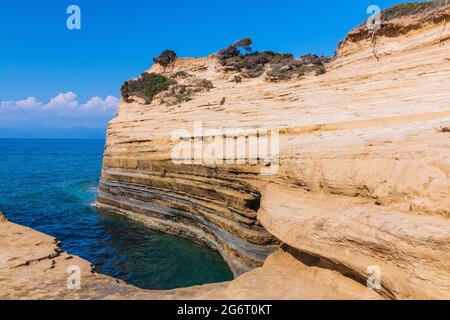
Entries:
{"x":206,"y":206}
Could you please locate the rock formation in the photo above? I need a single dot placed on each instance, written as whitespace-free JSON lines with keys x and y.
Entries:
{"x":361,"y":187}
{"x":364,"y":167}
{"x":33,"y":266}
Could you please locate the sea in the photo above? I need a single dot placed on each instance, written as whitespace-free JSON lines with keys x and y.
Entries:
{"x":51,"y":186}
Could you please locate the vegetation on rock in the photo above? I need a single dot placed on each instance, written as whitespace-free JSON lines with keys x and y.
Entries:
{"x":204,"y":83}
{"x":180,"y":74}
{"x":177,"y":94}
{"x":178,"y":87}
{"x":183,"y":92}
{"x":234,"y":49}
{"x":410,"y":8}
{"x":169,"y":91}
{"x":146,"y":87}
{"x":166,"y":58}
{"x":276,"y":66}
{"x":288,"y":68}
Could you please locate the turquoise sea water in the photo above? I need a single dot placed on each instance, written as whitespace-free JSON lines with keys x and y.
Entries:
{"x":51,"y":185}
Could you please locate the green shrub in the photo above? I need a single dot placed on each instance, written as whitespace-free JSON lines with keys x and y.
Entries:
{"x":319,"y":70}
{"x":180,"y":74}
{"x":234,"y":49}
{"x":166,"y":58}
{"x":252,"y":65}
{"x":286,"y":68}
{"x":146,"y":87}
{"x":277,"y":73}
{"x":177,"y":94}
{"x":255,"y":72}
{"x":204,"y":83}
{"x":280,"y":66}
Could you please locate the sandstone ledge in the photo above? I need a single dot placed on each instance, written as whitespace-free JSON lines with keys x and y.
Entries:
{"x":32,"y":266}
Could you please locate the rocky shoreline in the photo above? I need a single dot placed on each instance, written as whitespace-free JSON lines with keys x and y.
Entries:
{"x":33,"y":267}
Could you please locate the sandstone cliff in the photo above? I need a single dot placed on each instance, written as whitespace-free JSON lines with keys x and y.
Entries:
{"x":364,"y":164}
{"x":363,"y":178}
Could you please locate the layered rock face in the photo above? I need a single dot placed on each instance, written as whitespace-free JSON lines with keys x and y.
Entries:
{"x":206,"y":205}
{"x":363,"y":179}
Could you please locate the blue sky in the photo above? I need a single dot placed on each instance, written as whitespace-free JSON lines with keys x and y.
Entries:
{"x":54,"y":78}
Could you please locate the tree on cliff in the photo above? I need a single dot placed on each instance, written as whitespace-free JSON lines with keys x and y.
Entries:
{"x":234,"y":49}
{"x":166,"y":58}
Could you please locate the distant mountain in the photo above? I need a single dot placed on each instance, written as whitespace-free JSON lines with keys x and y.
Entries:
{"x":52,"y":133}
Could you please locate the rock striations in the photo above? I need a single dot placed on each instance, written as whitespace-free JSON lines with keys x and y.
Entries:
{"x":217,"y":210}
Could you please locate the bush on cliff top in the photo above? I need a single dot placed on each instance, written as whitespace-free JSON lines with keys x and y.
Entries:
{"x":234,"y":49}
{"x":166,"y":58}
{"x":410,"y":8}
{"x":277,"y":66}
{"x":146,"y":87}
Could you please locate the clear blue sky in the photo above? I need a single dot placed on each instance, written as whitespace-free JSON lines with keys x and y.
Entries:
{"x":41,"y":58}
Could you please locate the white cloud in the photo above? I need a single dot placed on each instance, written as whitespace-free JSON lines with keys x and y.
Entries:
{"x":63,"y":110}
{"x":29,"y":103}
{"x":63,"y":101}
{"x":97,"y":104}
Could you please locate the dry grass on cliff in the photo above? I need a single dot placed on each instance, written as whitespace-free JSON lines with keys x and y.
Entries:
{"x":410,"y":8}
{"x":171,"y":90}
{"x":276,"y":66}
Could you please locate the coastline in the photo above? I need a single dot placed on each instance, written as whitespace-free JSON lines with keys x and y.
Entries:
{"x":33,"y":266}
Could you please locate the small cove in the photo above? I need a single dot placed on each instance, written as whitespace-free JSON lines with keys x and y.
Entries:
{"x":51,"y":185}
